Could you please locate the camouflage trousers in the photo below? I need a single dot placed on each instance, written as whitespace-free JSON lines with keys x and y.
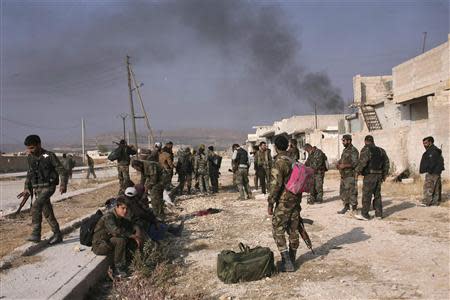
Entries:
{"x":123,"y":172}
{"x":256,"y":179}
{"x":157,"y":201}
{"x":372,"y":187}
{"x":264,"y":179}
{"x":167,"y":179}
{"x":243,"y":183}
{"x":42,"y":206}
{"x":285,"y":219}
{"x":183,"y":180}
{"x":203,"y":181}
{"x":432,"y":189}
{"x":316,"y":194}
{"x":91,"y":171}
{"x":115,"y":247}
{"x":348,"y":191}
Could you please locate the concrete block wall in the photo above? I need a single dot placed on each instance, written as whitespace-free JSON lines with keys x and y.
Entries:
{"x":371,"y":89}
{"x":423,"y":74}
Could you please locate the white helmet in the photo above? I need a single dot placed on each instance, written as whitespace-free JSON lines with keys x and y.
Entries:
{"x":130,"y":192}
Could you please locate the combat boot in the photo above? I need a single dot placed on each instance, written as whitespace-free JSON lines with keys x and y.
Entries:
{"x":292,"y":254}
{"x":55,"y":238}
{"x":286,"y":263}
{"x":344,"y":210}
{"x":35,"y":238}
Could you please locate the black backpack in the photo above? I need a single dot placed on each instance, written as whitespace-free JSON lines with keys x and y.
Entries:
{"x":87,"y":228}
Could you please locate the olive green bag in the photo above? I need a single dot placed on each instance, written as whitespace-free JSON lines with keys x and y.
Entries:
{"x":247,"y":265}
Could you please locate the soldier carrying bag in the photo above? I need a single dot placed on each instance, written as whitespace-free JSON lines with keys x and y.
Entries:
{"x":247,"y":265}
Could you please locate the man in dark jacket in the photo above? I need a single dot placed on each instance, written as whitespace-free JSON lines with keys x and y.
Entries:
{"x":432,"y":164}
{"x":214,"y":166}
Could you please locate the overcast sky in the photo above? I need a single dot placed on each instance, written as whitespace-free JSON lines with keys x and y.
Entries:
{"x":220,"y":64}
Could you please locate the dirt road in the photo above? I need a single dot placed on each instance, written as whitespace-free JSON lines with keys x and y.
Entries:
{"x":403,"y":256}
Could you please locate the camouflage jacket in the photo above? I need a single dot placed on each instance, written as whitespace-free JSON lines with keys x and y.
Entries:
{"x":364,"y":161}
{"x":263,"y":159}
{"x":151,"y":175}
{"x":124,"y":157}
{"x":294,"y":153}
{"x":316,"y":160}
{"x":201,"y":164}
{"x":44,"y":170}
{"x":350,"y":156}
{"x":166,"y":162}
{"x":90,"y":161}
{"x":110,"y":225}
{"x":280,"y":173}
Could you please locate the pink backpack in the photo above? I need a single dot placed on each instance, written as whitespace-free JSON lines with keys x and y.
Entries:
{"x":301,"y":179}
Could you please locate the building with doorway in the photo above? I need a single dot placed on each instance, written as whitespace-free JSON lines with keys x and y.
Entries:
{"x":399,"y":110}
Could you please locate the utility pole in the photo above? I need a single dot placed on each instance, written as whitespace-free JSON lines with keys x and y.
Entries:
{"x":133,"y":116}
{"x":315,"y":113}
{"x":123,"y":116}
{"x":82,"y":140}
{"x":424,"y":41}
{"x":147,"y":122}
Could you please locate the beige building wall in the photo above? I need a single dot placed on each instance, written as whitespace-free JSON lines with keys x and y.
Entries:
{"x":423,"y":75}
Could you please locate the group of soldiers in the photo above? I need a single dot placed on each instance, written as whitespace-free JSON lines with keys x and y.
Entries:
{"x":46,"y":172}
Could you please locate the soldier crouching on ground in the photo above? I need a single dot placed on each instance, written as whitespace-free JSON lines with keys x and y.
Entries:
{"x":432,"y":164}
{"x":115,"y":235}
{"x":374,"y":166}
{"x":286,"y":215}
{"x":44,"y":170}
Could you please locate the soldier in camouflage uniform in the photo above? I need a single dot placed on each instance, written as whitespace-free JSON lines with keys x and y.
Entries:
{"x":432,"y":165}
{"x":240,"y":160}
{"x":114,"y":235}
{"x":166,"y":162}
{"x":286,"y":215}
{"x":346,"y":165}
{"x":44,"y":170}
{"x":293,"y":151}
{"x":152,"y":178}
{"x":263,"y":165}
{"x":201,"y":169}
{"x":91,"y":169}
{"x":123,"y":164}
{"x":374,"y":166}
{"x":317,"y":161}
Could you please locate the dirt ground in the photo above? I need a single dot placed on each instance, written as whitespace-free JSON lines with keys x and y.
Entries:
{"x":14,"y":230}
{"x":403,"y":256}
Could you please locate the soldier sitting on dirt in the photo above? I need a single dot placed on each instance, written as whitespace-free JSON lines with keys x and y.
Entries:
{"x":142,"y":215}
{"x":114,"y":235}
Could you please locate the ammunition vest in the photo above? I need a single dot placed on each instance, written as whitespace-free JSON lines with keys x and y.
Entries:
{"x":42,"y":171}
{"x":376,"y":162}
{"x":241,"y":157}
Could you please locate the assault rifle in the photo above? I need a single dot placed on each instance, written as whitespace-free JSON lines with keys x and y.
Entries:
{"x":304,"y":235}
{"x":24,"y":201}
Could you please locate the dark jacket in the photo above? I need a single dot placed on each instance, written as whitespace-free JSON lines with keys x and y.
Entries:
{"x":124,"y":156}
{"x":432,"y":161}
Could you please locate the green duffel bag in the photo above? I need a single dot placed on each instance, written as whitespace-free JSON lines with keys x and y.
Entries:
{"x":247,"y":265}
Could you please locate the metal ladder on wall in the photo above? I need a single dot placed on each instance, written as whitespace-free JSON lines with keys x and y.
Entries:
{"x":371,"y":118}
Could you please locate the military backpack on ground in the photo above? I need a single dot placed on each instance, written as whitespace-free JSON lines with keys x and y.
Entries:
{"x":247,"y":265}
{"x":87,"y":228}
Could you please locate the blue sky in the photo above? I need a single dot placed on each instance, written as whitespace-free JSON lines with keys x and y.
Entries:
{"x":219,"y":64}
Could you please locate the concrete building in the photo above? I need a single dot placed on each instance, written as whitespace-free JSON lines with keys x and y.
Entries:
{"x":401,"y":109}
{"x":320,"y":131}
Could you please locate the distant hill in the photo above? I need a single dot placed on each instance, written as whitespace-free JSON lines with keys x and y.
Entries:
{"x":220,"y":138}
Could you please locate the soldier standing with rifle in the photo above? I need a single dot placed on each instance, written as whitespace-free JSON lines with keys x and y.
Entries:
{"x":122,"y":155}
{"x":44,"y":170}
{"x":317,"y":161}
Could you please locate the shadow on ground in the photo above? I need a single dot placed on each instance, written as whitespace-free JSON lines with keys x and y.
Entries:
{"x":355,"y":235}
